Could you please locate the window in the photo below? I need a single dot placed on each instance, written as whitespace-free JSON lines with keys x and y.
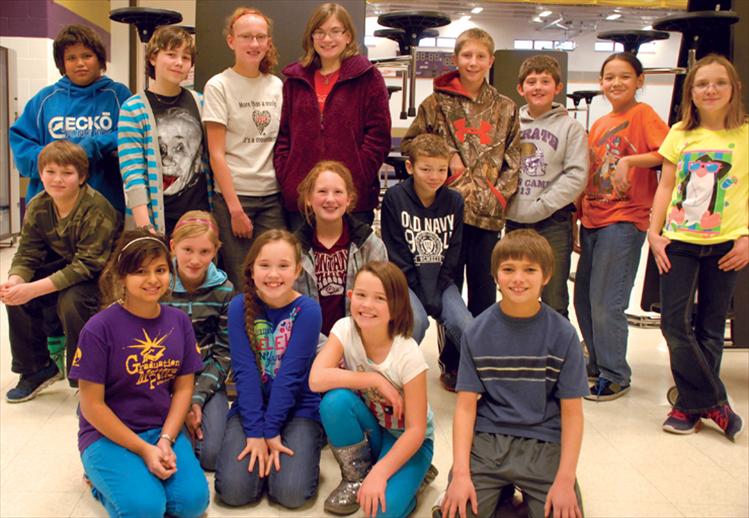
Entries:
{"x":446,"y":43}
{"x":524,"y":44}
{"x":543,"y":45}
{"x":428,"y":42}
{"x":608,"y":46}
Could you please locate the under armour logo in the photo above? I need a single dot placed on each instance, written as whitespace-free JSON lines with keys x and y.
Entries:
{"x":482,"y":131}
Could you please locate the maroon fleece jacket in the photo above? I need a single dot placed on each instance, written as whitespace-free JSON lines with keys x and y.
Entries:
{"x":354,"y":128}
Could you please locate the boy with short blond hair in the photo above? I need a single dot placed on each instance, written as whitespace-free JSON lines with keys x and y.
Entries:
{"x":66,"y":239}
{"x":553,"y":170}
{"x":518,"y":417}
{"x":481,"y":129}
{"x":422,"y":227}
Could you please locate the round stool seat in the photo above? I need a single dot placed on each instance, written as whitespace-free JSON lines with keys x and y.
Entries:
{"x":399,"y":36}
{"x":413,"y":23}
{"x":631,"y":40}
{"x":393,"y":89}
{"x":588,"y":95}
{"x":696,"y":22}
{"x":145,"y":19}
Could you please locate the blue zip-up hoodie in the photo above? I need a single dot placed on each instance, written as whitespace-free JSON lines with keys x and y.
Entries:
{"x":86,"y":115}
{"x":208,"y":309}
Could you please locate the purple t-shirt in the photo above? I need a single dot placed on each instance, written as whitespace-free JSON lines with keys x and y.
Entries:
{"x":137,"y":360}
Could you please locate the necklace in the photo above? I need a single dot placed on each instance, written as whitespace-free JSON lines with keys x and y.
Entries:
{"x":166,"y":99}
{"x":326,"y":77}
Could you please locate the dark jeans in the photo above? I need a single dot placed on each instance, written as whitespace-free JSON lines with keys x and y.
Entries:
{"x":557,"y":229}
{"x":695,"y":342}
{"x":475,"y":259}
{"x":213,"y":426}
{"x":265,"y":213}
{"x":291,"y":487}
{"x":294,"y":220}
{"x":28,"y":324}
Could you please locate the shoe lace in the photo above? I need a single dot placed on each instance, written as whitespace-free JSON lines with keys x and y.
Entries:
{"x":720,"y":416}
{"x":679,"y":415}
{"x":601,"y":385}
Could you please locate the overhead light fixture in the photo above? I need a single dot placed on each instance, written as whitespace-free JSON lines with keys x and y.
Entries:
{"x":476,"y":10}
{"x":614,"y":16}
{"x":537,"y":19}
{"x":544,"y":14}
{"x":647,"y":28}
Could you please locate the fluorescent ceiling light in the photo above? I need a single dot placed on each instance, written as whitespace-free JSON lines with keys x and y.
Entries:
{"x":614,"y":16}
{"x":537,"y":19}
{"x":465,"y":18}
{"x":544,"y":14}
{"x":476,"y":10}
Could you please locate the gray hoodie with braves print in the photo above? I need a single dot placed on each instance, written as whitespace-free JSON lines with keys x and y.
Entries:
{"x":553,"y":164}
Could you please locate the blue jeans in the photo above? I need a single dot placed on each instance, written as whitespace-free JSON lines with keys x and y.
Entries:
{"x":605,"y":276}
{"x":347,"y":421}
{"x":123,"y":484}
{"x":557,"y":229}
{"x":695,"y":342}
{"x":291,"y":487}
{"x":213,"y":425}
{"x":455,"y":317}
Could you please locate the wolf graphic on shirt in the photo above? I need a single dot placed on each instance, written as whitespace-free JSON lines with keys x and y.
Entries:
{"x":702,"y":181}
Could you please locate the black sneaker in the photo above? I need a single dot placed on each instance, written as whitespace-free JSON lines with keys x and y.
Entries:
{"x":605,"y":390}
{"x":681,"y":422}
{"x":728,"y":420}
{"x":30,"y":385}
{"x":448,"y":380}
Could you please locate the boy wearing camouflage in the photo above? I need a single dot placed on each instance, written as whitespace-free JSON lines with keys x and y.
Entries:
{"x":66,"y":239}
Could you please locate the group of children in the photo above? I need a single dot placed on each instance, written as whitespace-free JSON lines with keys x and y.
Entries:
{"x":321,"y":341}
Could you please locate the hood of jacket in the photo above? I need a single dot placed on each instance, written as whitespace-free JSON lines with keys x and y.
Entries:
{"x":351,"y":68}
{"x":557,"y":110}
{"x":440,"y":197}
{"x":449,"y":83}
{"x":358,"y":232}
{"x":213,"y":278}
{"x":83,"y":92}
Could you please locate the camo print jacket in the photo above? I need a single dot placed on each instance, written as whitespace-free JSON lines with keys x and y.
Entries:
{"x":486,"y":134}
{"x":84,"y":238}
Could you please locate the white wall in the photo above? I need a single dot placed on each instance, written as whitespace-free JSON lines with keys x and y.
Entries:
{"x":35,"y":65}
{"x":583,"y":64}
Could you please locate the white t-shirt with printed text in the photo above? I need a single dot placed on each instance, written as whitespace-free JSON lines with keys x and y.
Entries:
{"x":250,"y":108}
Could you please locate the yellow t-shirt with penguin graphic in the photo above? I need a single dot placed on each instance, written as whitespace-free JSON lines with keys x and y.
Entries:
{"x":709,"y":202}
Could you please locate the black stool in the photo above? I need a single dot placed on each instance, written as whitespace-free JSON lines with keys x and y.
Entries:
{"x":695,"y":26}
{"x":631,"y":40}
{"x":399,"y":36}
{"x":588,"y":95}
{"x":146,"y":20}
{"x":414,"y":24}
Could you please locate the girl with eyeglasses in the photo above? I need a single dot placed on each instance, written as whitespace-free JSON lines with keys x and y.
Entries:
{"x":242,"y":115}
{"x":702,"y":197}
{"x":335,"y":107}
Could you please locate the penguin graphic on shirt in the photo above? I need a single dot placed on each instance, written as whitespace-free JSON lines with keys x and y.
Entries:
{"x":697,"y":207}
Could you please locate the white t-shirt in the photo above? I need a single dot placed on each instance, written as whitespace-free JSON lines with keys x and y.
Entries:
{"x":403,"y":363}
{"x":250,"y":108}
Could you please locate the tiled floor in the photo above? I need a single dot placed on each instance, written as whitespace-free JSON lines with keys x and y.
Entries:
{"x":628,"y":466}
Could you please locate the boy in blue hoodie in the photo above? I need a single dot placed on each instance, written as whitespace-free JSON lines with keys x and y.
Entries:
{"x":82,"y":107}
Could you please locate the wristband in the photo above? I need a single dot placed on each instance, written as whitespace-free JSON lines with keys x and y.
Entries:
{"x":168,"y":438}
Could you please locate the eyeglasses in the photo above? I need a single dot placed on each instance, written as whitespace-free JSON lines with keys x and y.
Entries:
{"x":260,"y":38}
{"x":710,"y":167}
{"x":704,"y":85}
{"x":335,"y":33}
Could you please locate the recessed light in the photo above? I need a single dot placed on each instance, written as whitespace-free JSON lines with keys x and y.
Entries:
{"x":614,"y":16}
{"x":476,"y":10}
{"x":544,"y":14}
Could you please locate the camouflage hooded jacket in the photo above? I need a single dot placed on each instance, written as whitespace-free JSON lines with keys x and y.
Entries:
{"x":486,"y":134}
